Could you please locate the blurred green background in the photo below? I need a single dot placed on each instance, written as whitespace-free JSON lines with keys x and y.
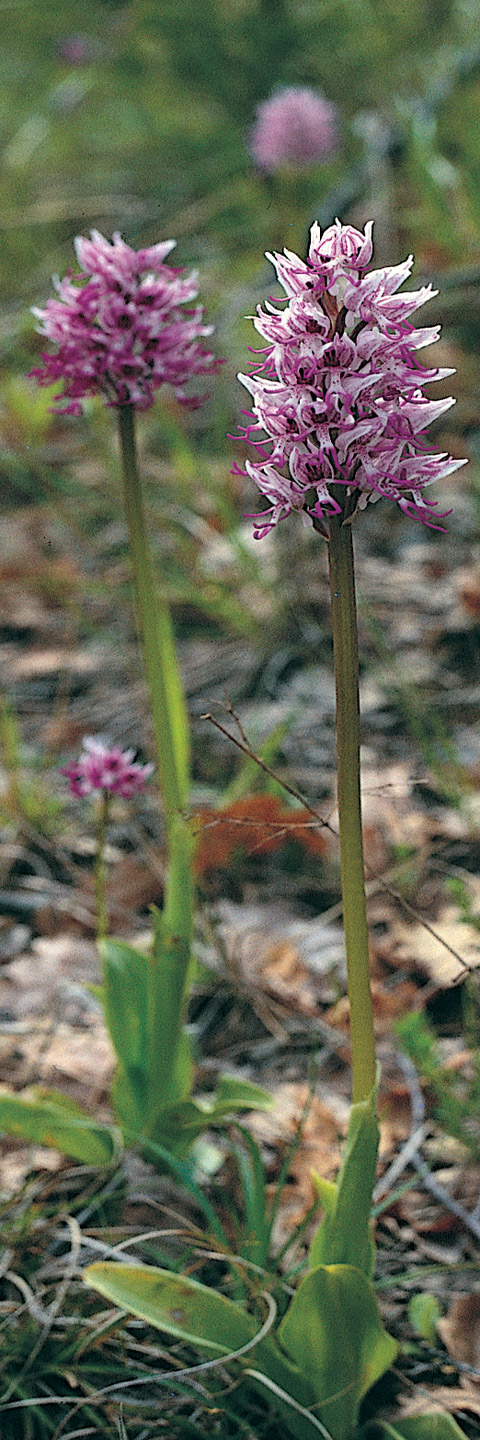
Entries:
{"x":135,"y":116}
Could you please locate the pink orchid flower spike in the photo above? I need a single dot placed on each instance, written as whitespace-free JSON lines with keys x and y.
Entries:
{"x":339,"y":405}
{"x":123,"y":327}
{"x":105,"y":767}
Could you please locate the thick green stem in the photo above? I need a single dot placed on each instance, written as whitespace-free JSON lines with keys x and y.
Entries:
{"x":345,"y":649}
{"x":164,"y":685}
{"x":100,"y":888}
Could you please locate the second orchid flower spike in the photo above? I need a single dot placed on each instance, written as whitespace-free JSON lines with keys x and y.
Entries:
{"x":339,"y":410}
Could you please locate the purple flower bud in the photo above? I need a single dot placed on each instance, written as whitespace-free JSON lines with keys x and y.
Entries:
{"x":294,"y":127}
{"x":103,"y":766}
{"x":119,"y":327}
{"x":339,"y":405}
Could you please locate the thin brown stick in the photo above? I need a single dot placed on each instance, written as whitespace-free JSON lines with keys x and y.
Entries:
{"x":247,"y":749}
{"x":376,"y":881}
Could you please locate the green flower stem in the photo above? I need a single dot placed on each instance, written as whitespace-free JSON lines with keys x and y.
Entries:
{"x":166,"y":696}
{"x":345,"y":649}
{"x":103,"y":814}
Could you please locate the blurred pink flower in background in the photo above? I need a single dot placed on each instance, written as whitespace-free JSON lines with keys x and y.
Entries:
{"x":78,"y":49}
{"x":296,"y":126}
{"x":119,"y":328}
{"x":103,"y":766}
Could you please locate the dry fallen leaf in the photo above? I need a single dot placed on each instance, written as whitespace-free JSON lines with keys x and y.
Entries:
{"x":319,"y":1148}
{"x":32,"y":982}
{"x":456,"y":1400}
{"x":19,"y":1160}
{"x":460,"y":1330}
{"x":83,"y":1055}
{"x":414,"y":945}
{"x":286,"y":978}
{"x":256,"y":825}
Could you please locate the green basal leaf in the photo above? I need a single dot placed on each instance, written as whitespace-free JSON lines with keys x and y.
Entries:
{"x":175,"y":1304}
{"x":178,"y":1126}
{"x":45,"y":1118}
{"x":423,"y":1313}
{"x":144,"y":998}
{"x":232,"y":1094}
{"x":125,"y":1001}
{"x":343,"y":1236}
{"x":333,"y":1332}
{"x":211,"y":1323}
{"x":143,"y":1001}
{"x":433,"y":1425}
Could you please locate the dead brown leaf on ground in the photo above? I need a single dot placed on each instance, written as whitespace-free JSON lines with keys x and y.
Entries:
{"x":416,"y":947}
{"x":456,"y":1400}
{"x":460,"y":1331}
{"x":17,"y":1161}
{"x":319,"y":1148}
{"x":286,"y":978}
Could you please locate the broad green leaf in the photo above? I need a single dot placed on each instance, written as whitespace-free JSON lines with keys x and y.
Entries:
{"x":125,"y":1001}
{"x":333,"y":1332}
{"x":211,"y":1323}
{"x":175,"y":1304}
{"x":170,"y":1064}
{"x":433,"y":1425}
{"x":232,"y":1094}
{"x":177,"y":1126}
{"x":423,"y":1313}
{"x":143,"y":1001}
{"x":343,"y":1236}
{"x":45,"y":1118}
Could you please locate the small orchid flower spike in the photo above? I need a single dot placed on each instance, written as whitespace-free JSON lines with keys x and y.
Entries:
{"x":339,"y":407}
{"x":107,"y":768}
{"x":119,"y":327}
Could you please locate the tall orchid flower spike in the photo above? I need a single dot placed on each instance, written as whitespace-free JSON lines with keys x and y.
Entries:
{"x":339,"y":410}
{"x":122,"y":327}
{"x":339,"y":418}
